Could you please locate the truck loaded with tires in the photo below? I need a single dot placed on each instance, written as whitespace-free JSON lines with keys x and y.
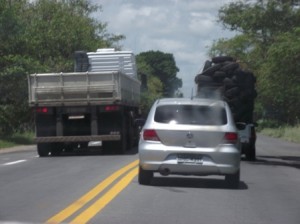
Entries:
{"x":223,"y":78}
{"x":95,"y":105}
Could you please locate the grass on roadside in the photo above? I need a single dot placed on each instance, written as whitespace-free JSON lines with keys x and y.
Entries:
{"x":16,"y":139}
{"x":285,"y":132}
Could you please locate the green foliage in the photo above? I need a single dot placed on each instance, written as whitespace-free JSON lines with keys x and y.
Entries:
{"x":161,"y":71}
{"x":41,"y":36}
{"x":14,"y":111}
{"x":56,"y":29}
{"x":280,"y":82}
{"x":163,"y":66}
{"x":289,"y":133}
{"x":154,"y":92}
{"x":15,"y":139}
{"x":267,"y":42}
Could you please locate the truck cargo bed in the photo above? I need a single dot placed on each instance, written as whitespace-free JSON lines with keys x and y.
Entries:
{"x":83,"y":88}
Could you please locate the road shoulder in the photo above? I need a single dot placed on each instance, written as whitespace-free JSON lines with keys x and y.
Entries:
{"x":18,"y":148}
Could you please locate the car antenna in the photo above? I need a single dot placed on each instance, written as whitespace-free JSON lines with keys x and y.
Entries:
{"x":192,"y":94}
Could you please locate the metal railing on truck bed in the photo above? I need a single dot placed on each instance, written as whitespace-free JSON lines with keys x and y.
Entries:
{"x":83,"y":88}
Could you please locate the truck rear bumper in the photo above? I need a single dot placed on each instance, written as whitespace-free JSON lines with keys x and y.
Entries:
{"x":78,"y":138}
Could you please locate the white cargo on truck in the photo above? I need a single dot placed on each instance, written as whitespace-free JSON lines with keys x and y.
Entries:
{"x":108,"y":60}
{"x":97,"y":102}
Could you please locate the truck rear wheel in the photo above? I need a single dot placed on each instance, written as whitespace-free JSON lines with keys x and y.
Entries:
{"x":43,"y":149}
{"x":56,"y":149}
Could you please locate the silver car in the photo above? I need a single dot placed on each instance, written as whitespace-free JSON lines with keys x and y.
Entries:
{"x":189,"y":137}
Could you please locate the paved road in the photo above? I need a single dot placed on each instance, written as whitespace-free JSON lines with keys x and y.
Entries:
{"x":86,"y":188}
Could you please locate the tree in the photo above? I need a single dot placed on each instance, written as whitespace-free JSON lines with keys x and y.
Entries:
{"x":163,"y":66}
{"x":160,"y":69}
{"x":41,"y":36}
{"x":264,"y":31}
{"x":280,"y":81}
{"x":56,"y":29}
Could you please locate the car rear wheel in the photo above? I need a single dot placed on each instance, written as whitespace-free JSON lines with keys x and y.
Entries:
{"x":145,"y":176}
{"x":233,"y":180}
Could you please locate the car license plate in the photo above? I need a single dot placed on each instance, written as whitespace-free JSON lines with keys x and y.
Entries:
{"x":189,"y":159}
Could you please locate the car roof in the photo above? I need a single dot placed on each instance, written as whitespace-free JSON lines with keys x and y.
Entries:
{"x":193,"y":101}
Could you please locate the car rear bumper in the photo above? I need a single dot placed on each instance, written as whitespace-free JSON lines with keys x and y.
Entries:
{"x":214,"y":161}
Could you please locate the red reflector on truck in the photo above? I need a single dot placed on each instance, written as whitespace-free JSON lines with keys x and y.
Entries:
{"x":42,"y":110}
{"x":112,"y":108}
{"x":150,"y":135}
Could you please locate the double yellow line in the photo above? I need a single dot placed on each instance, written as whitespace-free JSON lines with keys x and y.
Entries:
{"x":99,"y":204}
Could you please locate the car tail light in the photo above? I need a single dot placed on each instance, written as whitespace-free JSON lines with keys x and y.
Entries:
{"x":231,"y":137}
{"x":150,"y":135}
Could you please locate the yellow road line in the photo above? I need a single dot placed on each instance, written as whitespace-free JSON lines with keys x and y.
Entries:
{"x":71,"y":209}
{"x":95,"y":208}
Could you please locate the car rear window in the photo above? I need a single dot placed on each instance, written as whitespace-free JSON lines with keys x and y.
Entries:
{"x":191,"y":114}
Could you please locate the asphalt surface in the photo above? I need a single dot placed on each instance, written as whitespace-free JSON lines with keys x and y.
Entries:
{"x":34,"y":190}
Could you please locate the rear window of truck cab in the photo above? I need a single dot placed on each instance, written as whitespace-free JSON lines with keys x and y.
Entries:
{"x":191,"y":115}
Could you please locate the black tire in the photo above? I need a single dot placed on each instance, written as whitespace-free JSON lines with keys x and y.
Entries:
{"x":250,"y":153}
{"x":220,"y":59}
{"x":123,"y":145}
{"x":230,"y":67}
{"x":43,"y":149}
{"x":115,"y":147}
{"x":228,"y":83}
{"x":203,"y":79}
{"x":210,"y":71}
{"x":233,"y":92}
{"x":219,"y":76}
{"x":81,"y":61}
{"x":56,"y":149}
{"x":145,"y":176}
{"x":207,"y":65}
{"x":233,"y":180}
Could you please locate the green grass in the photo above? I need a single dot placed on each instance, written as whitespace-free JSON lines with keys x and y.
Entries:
{"x":16,"y":139}
{"x":288,"y":133}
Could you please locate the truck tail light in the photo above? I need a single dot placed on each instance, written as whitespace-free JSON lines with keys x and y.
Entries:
{"x":150,"y":135}
{"x":42,"y":110}
{"x":231,"y":137}
{"x":112,"y":108}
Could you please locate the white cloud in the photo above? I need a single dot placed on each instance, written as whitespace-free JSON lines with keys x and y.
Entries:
{"x":182,"y":28}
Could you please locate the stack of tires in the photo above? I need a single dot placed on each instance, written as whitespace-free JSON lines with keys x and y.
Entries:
{"x":81,"y":61}
{"x":223,"y":78}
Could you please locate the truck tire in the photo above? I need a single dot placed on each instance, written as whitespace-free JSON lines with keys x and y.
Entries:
{"x":122,"y":145}
{"x":230,"y":67}
{"x":233,"y":180}
{"x":43,"y":149}
{"x":220,"y":59}
{"x":219,"y":76}
{"x":211,"y":70}
{"x":145,"y":176}
{"x":203,"y":79}
{"x":207,"y":65}
{"x":233,"y":92}
{"x":56,"y":149}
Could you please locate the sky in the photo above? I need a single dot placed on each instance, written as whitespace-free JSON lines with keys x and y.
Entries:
{"x":184,"y":28}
